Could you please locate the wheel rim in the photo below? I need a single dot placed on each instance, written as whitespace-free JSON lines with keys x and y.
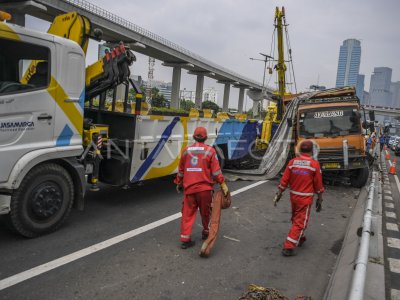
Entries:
{"x":46,"y":201}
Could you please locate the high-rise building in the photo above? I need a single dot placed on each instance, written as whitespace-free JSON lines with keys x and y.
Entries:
{"x":349,"y":64}
{"x":360,"y":87}
{"x":379,"y":88}
{"x":395,"y":90}
{"x":210,"y":94}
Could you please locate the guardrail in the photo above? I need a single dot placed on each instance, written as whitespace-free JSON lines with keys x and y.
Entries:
{"x":94,"y":9}
{"x":360,"y":273}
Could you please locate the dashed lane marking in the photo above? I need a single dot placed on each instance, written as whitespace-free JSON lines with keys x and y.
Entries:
{"x":392,"y":226}
{"x":390,"y":198}
{"x":390,"y":214}
{"x":393,"y":243}
{"x":395,"y":294}
{"x":394,"y":265}
{"x":389,"y":205}
{"x":387,"y":192}
{"x":20,"y":277}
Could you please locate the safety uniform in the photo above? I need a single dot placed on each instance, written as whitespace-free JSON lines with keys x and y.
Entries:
{"x":303,"y":175}
{"x":199,"y":169}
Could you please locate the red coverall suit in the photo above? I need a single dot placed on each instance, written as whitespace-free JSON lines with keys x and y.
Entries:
{"x":198,"y":170}
{"x":304,"y":176}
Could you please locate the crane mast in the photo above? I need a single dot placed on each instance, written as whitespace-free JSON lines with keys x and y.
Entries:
{"x":280,"y":66}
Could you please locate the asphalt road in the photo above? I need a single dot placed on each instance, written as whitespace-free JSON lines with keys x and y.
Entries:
{"x":151,"y":265}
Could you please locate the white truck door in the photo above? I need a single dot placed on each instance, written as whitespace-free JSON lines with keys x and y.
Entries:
{"x":27,"y":107}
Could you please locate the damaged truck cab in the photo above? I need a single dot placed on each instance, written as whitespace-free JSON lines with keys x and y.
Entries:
{"x":332,"y":119}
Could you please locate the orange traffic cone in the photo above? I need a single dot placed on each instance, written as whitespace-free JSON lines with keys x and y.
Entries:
{"x":387,"y":155}
{"x":393,"y":167}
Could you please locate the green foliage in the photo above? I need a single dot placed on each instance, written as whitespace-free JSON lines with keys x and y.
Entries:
{"x":186,"y":105}
{"x":164,"y":111}
{"x":211,"y":105}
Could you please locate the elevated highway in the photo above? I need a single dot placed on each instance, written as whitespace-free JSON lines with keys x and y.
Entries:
{"x":117,"y":29}
{"x":383,"y":110}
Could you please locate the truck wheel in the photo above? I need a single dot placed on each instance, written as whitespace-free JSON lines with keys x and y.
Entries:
{"x":42,"y":202}
{"x":359,"y":177}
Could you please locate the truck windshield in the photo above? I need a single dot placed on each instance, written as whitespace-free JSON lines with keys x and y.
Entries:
{"x":329,"y":122}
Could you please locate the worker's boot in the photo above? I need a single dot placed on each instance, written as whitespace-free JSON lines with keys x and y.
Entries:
{"x":302,"y":241}
{"x":188,"y":244}
{"x":288,"y":252}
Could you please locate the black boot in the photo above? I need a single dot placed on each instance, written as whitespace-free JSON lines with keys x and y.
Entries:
{"x":288,"y":252}
{"x":188,"y":244}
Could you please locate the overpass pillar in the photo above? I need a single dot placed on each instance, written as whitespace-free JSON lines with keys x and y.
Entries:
{"x":255,"y":108}
{"x":241,"y":100}
{"x":225,"y":103}
{"x":199,"y":91}
{"x":176,"y":85}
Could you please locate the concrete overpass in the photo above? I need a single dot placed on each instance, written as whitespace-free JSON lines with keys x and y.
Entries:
{"x":384,"y":111}
{"x":117,"y":29}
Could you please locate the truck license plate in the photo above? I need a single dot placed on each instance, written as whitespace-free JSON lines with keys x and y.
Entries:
{"x":331,"y":166}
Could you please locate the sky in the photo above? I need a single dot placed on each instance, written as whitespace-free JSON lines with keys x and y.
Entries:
{"x":229,"y":32}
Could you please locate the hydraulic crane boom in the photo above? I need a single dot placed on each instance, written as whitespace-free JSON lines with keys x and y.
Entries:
{"x":104,"y":74}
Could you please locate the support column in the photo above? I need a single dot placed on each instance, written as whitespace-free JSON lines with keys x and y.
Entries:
{"x":225,"y":104}
{"x":199,"y":91}
{"x":176,"y":86}
{"x":241,"y":100}
{"x":255,"y":108}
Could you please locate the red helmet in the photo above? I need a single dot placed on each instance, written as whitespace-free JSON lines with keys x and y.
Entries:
{"x":306,"y":146}
{"x":200,"y":133}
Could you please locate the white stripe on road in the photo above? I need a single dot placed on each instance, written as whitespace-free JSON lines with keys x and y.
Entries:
{"x":20,"y":277}
{"x":243,"y":189}
{"x":390,"y":198}
{"x":393,"y":243}
{"x":392,"y":226}
{"x":389,"y":205}
{"x":395,"y":294}
{"x":394,"y":265}
{"x":390,"y":214}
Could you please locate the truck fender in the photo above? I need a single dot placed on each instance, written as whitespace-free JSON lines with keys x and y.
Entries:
{"x":77,"y":172}
{"x":33,"y":158}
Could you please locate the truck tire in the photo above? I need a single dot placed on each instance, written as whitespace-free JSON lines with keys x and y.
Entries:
{"x":359,"y":177}
{"x":42,"y":202}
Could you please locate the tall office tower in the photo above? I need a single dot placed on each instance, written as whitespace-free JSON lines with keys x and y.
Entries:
{"x":379,"y":88}
{"x":349,"y":64}
{"x":360,"y":87}
{"x":395,"y":90}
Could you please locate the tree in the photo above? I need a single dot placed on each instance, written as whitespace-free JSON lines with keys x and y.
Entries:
{"x":210,"y":105}
{"x":186,"y":104}
{"x":158,"y":100}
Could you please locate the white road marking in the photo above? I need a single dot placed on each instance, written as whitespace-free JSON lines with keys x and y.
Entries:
{"x":393,"y":243}
{"x":390,"y":198}
{"x":394,"y":294}
{"x":396,"y":178}
{"x":392,"y":226}
{"x":390,"y":215}
{"x":394,"y":265}
{"x":387,"y":192}
{"x":25,"y":275}
{"x":389,"y":205}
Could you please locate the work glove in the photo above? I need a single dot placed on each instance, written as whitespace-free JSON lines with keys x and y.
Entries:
{"x":179,"y":188}
{"x":224,"y":188}
{"x":277,"y":197}
{"x":318,"y":204}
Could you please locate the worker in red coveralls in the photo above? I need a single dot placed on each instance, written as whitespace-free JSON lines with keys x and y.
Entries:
{"x":303,"y":175}
{"x":198,"y":170}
